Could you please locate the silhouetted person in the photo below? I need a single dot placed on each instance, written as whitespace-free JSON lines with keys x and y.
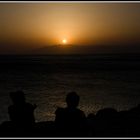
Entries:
{"x":106,"y":122}
{"x":21,"y":113}
{"x":71,"y":120}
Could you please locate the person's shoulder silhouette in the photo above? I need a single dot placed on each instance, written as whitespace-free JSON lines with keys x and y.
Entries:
{"x":21,"y":113}
{"x":72,"y":112}
{"x":71,"y":116}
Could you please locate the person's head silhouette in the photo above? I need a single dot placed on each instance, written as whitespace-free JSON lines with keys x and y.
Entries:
{"x":72,"y":100}
{"x":18,"y":97}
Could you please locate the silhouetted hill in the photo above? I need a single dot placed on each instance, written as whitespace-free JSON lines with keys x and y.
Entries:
{"x":107,"y":122}
{"x":83,"y":49}
{"x":70,"y":49}
{"x":61,"y":49}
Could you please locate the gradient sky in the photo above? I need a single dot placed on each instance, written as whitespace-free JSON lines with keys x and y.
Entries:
{"x":27,"y":26}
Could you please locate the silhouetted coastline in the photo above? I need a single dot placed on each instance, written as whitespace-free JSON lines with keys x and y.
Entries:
{"x":69,"y":121}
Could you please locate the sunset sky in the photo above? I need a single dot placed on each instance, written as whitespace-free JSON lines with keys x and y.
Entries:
{"x":26,"y":26}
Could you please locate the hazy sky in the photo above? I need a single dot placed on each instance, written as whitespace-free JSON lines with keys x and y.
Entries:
{"x":26,"y":26}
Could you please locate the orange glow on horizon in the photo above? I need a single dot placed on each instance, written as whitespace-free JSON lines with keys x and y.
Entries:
{"x":47,"y":24}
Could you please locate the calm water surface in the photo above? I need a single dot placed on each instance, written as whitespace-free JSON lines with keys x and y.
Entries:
{"x":100,"y":80}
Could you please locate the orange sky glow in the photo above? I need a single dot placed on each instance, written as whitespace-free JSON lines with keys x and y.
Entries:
{"x":24,"y":26}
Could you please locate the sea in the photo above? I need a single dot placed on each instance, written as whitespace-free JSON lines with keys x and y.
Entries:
{"x":101,"y":81}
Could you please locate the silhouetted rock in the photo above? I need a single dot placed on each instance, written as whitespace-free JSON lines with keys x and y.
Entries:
{"x":91,"y":123}
{"x":69,"y":121}
{"x":106,"y":122}
{"x":45,"y":129}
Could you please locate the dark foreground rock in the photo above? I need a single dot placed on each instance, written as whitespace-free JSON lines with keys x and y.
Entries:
{"x":106,"y":123}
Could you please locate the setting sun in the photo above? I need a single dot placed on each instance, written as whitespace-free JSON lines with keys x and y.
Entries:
{"x":64,"y":41}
